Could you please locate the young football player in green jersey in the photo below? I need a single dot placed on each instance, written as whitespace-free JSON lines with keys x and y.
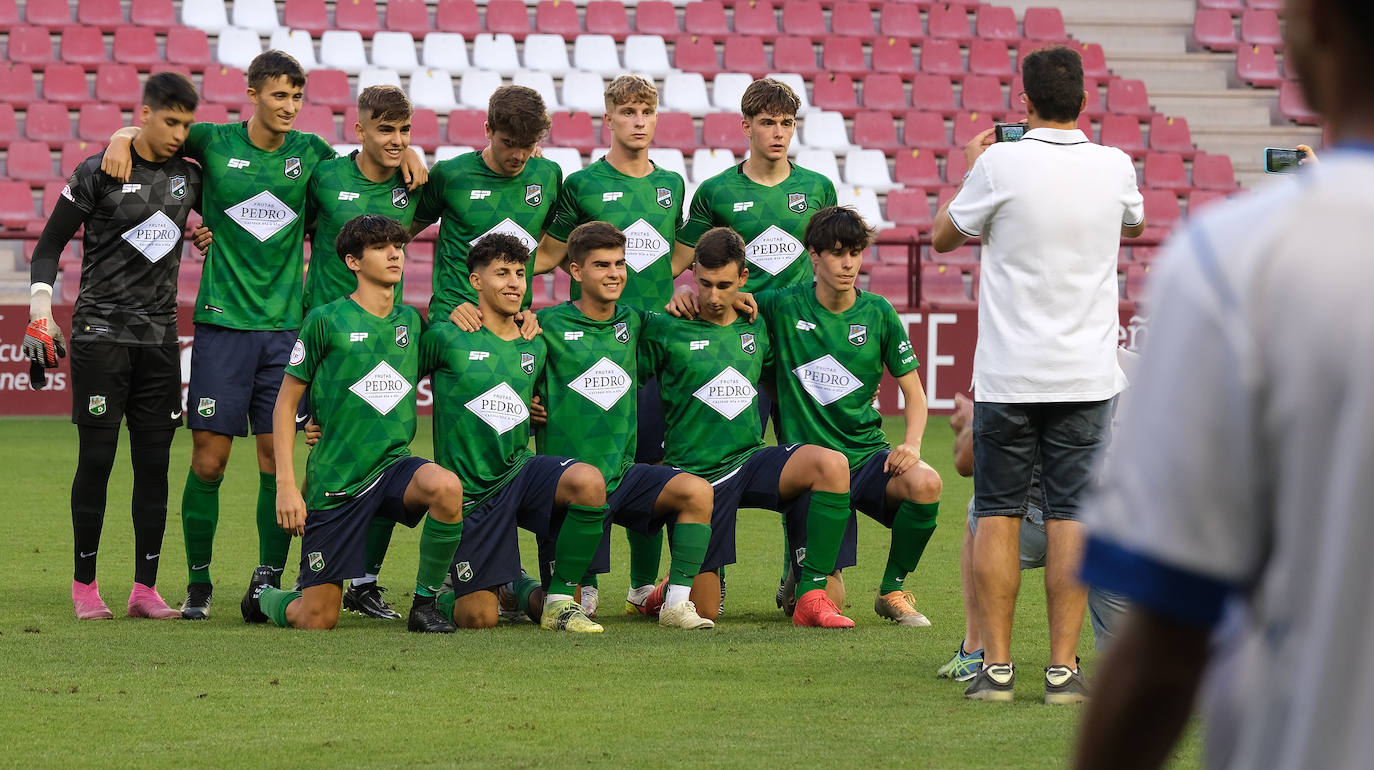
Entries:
{"x":832,"y":343}
{"x":589,"y":394}
{"x":257,"y":175}
{"x":710,"y":366}
{"x":502,"y":188}
{"x":483,"y":382}
{"x":359,"y":358}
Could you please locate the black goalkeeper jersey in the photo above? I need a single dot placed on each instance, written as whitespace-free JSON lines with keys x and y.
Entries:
{"x":132,"y":248}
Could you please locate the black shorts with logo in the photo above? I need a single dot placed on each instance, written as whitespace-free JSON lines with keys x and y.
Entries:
{"x":111,"y":381}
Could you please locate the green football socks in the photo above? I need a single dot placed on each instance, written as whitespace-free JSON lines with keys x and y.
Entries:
{"x":911,"y":530}
{"x":826,"y":520}
{"x":523,"y":587}
{"x":645,"y":552}
{"x":688,"y":548}
{"x":274,"y":543}
{"x":378,"y":540}
{"x":438,"y":542}
{"x":274,"y":601}
{"x":445,"y":601}
{"x":576,"y":546}
{"x":199,"y":515}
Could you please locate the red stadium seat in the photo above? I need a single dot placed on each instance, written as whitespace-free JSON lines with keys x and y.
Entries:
{"x":551,"y":17}
{"x":1200,"y":199}
{"x":319,"y":119}
{"x":190,"y":47}
{"x":96,"y":122}
{"x":1213,"y":172}
{"x":705,"y":17}
{"x":1123,"y":133}
{"x":942,"y":57}
{"x":358,"y":16}
{"x":1260,"y":27}
{"x":1162,"y":211}
{"x":900,"y":19}
{"x":756,"y":17}
{"x":66,"y":83}
{"x":118,"y":84}
{"x":840,"y":54}
{"x":892,"y":282}
{"x":1266,"y":5}
{"x":915,"y":168}
{"x":835,"y":92}
{"x":652,"y":17}
{"x":851,"y":19}
{"x":1128,"y":97}
{"x":804,"y":17}
{"x":608,"y":17}
{"x":1229,"y":5}
{"x":1165,"y":170}
{"x":17,"y":86}
{"x":676,"y":131}
{"x":330,"y":88}
{"x":983,"y":93}
{"x":990,"y":57}
{"x":424,"y":129}
{"x":408,"y":16}
{"x":956,"y":165}
{"x":997,"y":23}
{"x":968,"y":125}
{"x":158,"y":14}
{"x":1136,"y":276}
{"x":925,"y":130}
{"x":942,"y":288}
{"x":136,"y":46}
{"x":51,"y":192}
{"x":1094,"y":61}
{"x":884,"y":91}
{"x":573,"y":129}
{"x":467,"y":127}
{"x":29,"y":160}
{"x":1258,"y":65}
{"x":909,"y":208}
{"x":76,"y":151}
{"x":1293,"y":104}
{"x":934,"y":93}
{"x":876,"y":129}
{"x":84,"y":45}
{"x":1215,"y":29}
{"x":9,"y":124}
{"x":30,"y":45}
{"x":51,"y":14}
{"x":894,"y":54}
{"x":745,"y":54}
{"x":1171,"y":135}
{"x":16,"y":206}
{"x":107,"y":15}
{"x":797,"y":54}
{"x":1044,"y":25}
{"x":1094,"y":108}
{"x":9,"y":14}
{"x":720,"y":130}
{"x":207,"y":113}
{"x":224,"y":85}
{"x":692,"y":53}
{"x":949,"y":22}
{"x":458,"y":16}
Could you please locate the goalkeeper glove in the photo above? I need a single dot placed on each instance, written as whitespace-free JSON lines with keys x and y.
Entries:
{"x":43,"y":340}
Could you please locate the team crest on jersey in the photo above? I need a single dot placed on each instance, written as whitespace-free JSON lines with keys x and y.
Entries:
{"x":464,"y":570}
{"x":665,"y":197}
{"x":400,"y":198}
{"x":746,"y":341}
{"x":402,"y":336}
{"x":622,"y":331}
{"x":206,"y":408}
{"x":177,"y":187}
{"x":97,"y":405}
{"x":796,"y":202}
{"x":534,"y":194}
{"x":316,"y":560}
{"x":858,"y":334}
{"x":293,"y":168}
{"x":527,"y":363}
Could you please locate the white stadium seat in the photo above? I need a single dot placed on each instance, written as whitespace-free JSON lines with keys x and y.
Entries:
{"x":596,"y":155}
{"x":444,"y":152}
{"x":445,"y":51}
{"x":296,"y":42}
{"x":585,"y":91}
{"x":208,"y":15}
{"x":432,"y":89}
{"x":647,"y":55}
{"x":541,"y":82}
{"x":706,"y":163}
{"x":378,"y":76}
{"x":342,"y":50}
{"x":547,"y":53}
{"x":864,"y":201}
{"x":669,"y":159}
{"x":596,"y":53}
{"x":824,"y":130}
{"x":868,"y":168}
{"x":394,"y":50}
{"x":567,"y":158}
{"x":495,"y":53}
{"x":684,"y":92}
{"x":822,"y":162}
{"x":798,"y":84}
{"x":257,"y":15}
{"x":345,"y":149}
{"x":477,"y":87}
{"x":237,"y":47}
{"x":727,"y":89}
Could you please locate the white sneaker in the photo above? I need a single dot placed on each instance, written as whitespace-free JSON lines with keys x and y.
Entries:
{"x":683,"y":615}
{"x":589,"y":600}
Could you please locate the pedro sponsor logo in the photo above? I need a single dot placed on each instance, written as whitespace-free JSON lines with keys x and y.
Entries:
{"x":603,"y":384}
{"x":500,"y":407}
{"x":383,"y":388}
{"x":96,"y":406}
{"x":206,"y":407}
{"x":644,"y":245}
{"x":826,"y":380}
{"x":729,"y":393}
{"x":773,"y":250}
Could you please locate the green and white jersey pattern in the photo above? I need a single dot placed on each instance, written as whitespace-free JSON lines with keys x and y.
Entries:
{"x":362,"y":372}
{"x":474,"y":202}
{"x":482,"y":390}
{"x":339,"y":192}
{"x":590,"y":388}
{"x":254,"y":202}
{"x":647,"y":209}
{"x":829,"y":366}
{"x":708,"y":376}
{"x":771,"y":220}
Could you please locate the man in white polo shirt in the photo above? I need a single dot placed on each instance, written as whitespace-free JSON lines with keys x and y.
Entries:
{"x":1259,"y":510}
{"x":1051,"y":210}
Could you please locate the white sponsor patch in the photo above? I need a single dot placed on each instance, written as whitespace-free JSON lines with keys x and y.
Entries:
{"x":500,"y":407}
{"x":610,"y":196}
{"x":67,"y":193}
{"x":383,"y":388}
{"x":729,"y":393}
{"x":509,"y":227}
{"x":644,"y":246}
{"x":357,"y":336}
{"x":263,"y":215}
{"x":699,"y":344}
{"x":477,"y":195}
{"x":132,"y":188}
{"x":297,"y":353}
{"x":603,"y":384}
{"x":154,"y":236}
{"x":349,"y":196}
{"x":826,"y":380}
{"x":773,"y":250}
{"x":478,"y":355}
{"x":743,"y":206}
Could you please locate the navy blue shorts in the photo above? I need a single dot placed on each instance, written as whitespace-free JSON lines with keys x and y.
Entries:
{"x":867,"y":494}
{"x":753,"y":485}
{"x":334,"y":547}
{"x":649,"y":436}
{"x":632,"y":507}
{"x":235,"y":376}
{"x":489,"y":553}
{"x":769,"y":411}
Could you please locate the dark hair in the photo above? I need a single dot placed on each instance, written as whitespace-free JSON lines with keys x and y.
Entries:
{"x":272,"y":64}
{"x":520,"y":113}
{"x":837,"y":226}
{"x":1054,"y":83}
{"x":170,"y":91}
{"x":497,"y":247}
{"x":384,"y":103}
{"x":367,"y":230}
{"x":591,"y":236}
{"x":769,"y":96}
{"x":720,"y":246}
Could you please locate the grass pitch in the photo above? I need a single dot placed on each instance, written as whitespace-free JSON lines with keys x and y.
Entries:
{"x":755,"y":692}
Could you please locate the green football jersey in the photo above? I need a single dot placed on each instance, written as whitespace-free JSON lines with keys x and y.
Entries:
{"x":590,"y":388}
{"x":482,"y":390}
{"x":254,"y":203}
{"x":829,"y":365}
{"x":648,"y":210}
{"x":362,"y":371}
{"x":474,"y":202}
{"x":707,"y":375}
{"x":771,"y":220}
{"x":339,"y":192}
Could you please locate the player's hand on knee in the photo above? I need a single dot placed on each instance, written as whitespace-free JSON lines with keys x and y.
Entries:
{"x":538,"y":414}
{"x":43,"y":340}
{"x":683,"y":304}
{"x":290,"y":509}
{"x":312,"y":432}
{"x":528,"y":323}
{"x":901,"y":459}
{"x":746,"y":306}
{"x":466,"y":317}
{"x":202,"y":237}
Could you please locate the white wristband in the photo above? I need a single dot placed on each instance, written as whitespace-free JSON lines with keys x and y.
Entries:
{"x":39,"y":286}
